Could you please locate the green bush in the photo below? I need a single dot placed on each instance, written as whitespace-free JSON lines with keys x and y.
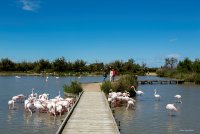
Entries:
{"x":124,"y":83}
{"x":166,"y":72}
{"x":74,"y":88}
{"x":106,"y":86}
{"x":197,"y":79}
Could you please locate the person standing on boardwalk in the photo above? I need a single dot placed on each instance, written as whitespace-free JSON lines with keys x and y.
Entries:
{"x":111,"y":75}
{"x":114,"y":74}
{"x":104,"y":75}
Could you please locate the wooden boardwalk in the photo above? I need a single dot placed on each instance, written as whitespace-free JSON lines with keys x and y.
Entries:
{"x":92,"y":115}
{"x":160,"y":81}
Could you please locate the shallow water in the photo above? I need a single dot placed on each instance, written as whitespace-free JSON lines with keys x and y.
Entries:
{"x":150,"y":116}
{"x":18,"y":121}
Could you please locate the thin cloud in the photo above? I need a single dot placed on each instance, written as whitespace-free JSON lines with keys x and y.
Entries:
{"x":30,"y":5}
{"x":173,"y":40}
{"x":174,"y":56}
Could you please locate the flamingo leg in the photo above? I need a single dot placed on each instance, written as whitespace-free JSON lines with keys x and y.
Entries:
{"x":30,"y":110}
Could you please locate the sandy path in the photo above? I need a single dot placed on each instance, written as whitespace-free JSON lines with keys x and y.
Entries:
{"x":91,"y":87}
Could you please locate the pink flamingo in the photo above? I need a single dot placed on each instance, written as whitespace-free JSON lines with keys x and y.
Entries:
{"x":137,"y":92}
{"x":171,"y":108}
{"x":11,"y":102}
{"x":178,"y":98}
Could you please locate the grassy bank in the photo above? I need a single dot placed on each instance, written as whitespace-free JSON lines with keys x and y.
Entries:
{"x":187,"y":77}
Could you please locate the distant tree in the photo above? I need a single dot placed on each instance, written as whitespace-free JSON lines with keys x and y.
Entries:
{"x":171,"y":62}
{"x":59,"y":64}
{"x":185,"y":66}
{"x":7,"y":65}
{"x":79,"y":65}
{"x":118,"y":65}
{"x":42,"y":65}
{"x":129,"y":65}
{"x":196,"y":66}
{"x":95,"y":67}
{"x":24,"y":66}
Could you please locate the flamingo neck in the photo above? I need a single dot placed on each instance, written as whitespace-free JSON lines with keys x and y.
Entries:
{"x":134,"y":89}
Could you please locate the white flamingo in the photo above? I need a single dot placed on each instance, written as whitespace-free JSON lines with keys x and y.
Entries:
{"x":178,"y":98}
{"x":57,"y":97}
{"x":11,"y":103}
{"x":28,"y":105}
{"x":19,"y":98}
{"x":130,"y":103}
{"x":17,"y":77}
{"x":171,"y":108}
{"x":33,"y":95}
{"x":157,"y":96}
{"x":138,"y":92}
{"x":39,"y":105}
{"x":47,"y":79}
{"x":59,"y":108}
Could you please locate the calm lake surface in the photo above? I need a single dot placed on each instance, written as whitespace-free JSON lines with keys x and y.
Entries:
{"x":151,"y":117}
{"x":148,"y":116}
{"x":17,"y":121}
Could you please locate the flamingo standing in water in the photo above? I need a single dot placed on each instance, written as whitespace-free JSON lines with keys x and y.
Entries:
{"x":29,"y":105}
{"x":47,"y":79}
{"x":33,"y":95}
{"x":157,"y":96}
{"x":178,"y":98}
{"x":11,"y":103}
{"x":19,"y":98}
{"x":17,"y":77}
{"x":59,"y":96}
{"x":171,"y":108}
{"x":137,"y":92}
{"x":130,"y":103}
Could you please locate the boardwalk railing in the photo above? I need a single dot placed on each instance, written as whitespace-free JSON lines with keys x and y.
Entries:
{"x":115,"y":123}
{"x":60,"y":129}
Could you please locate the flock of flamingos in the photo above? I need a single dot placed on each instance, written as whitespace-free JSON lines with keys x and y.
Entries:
{"x":42,"y":103}
{"x":59,"y":105}
{"x":116,"y":98}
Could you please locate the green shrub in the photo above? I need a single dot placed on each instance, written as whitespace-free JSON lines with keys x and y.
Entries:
{"x":106,"y":86}
{"x":124,"y":83}
{"x":74,"y":88}
{"x":189,"y":77}
{"x":197,"y":79}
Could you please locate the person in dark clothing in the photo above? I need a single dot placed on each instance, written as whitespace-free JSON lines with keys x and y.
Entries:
{"x":104,"y":75}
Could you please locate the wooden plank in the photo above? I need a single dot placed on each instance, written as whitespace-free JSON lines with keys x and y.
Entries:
{"x":91,"y":116}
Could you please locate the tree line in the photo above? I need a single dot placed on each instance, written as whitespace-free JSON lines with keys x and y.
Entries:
{"x":186,"y":69}
{"x":63,"y":65}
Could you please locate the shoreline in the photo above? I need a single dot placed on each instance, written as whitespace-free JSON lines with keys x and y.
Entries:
{"x":43,"y":74}
{"x":151,"y":74}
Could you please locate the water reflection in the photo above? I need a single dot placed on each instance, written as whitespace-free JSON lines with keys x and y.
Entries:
{"x":171,"y":125}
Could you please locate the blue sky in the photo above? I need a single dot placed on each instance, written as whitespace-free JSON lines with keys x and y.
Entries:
{"x":100,"y":30}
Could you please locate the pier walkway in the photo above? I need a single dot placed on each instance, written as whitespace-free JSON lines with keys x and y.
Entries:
{"x":92,"y":114}
{"x":161,"y":81}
